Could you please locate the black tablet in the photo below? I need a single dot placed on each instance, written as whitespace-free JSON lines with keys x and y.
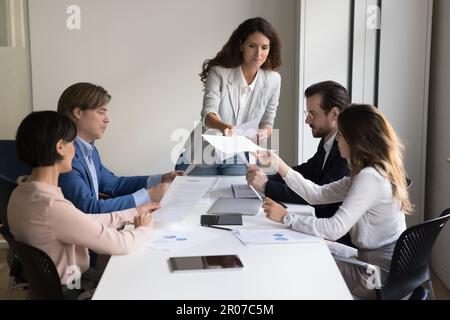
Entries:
{"x":221,"y":262}
{"x":227,"y":219}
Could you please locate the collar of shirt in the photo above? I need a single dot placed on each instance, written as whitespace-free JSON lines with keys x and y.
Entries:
{"x":86,"y":147}
{"x":329,"y":143}
{"x":243,"y":83}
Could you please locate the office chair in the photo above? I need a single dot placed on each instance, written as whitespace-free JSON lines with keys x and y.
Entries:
{"x":409,"y":273}
{"x":10,"y":169}
{"x":6,"y":188}
{"x":408,"y":183}
{"x":43,"y":278}
{"x":410,"y":267}
{"x":16,"y":274}
{"x":10,"y":166}
{"x":40,"y":271}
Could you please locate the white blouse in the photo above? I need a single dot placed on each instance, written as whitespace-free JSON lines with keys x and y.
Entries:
{"x":369,"y":210}
{"x":245,"y":95}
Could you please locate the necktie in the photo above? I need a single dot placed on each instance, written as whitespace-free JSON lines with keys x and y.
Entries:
{"x":320,"y":157}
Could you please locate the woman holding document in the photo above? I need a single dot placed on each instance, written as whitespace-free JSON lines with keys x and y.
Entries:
{"x":241,"y":87}
{"x":374,"y":197}
{"x":39,"y":215}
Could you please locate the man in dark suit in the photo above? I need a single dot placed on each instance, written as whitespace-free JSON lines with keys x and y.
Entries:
{"x":324,"y":101}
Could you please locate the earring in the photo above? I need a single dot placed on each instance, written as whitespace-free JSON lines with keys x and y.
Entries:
{"x":62,"y":154}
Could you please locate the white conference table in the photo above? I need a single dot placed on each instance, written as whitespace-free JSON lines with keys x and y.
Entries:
{"x":273,"y":272}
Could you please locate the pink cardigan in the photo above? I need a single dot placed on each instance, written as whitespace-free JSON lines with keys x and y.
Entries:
{"x":39,"y":215}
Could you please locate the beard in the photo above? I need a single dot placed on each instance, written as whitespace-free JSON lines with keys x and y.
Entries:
{"x":319,"y":132}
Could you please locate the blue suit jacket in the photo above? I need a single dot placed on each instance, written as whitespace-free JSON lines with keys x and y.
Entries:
{"x":77,"y":186}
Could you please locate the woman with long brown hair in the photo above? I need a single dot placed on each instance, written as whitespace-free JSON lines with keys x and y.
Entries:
{"x":241,"y":84}
{"x":375,"y":198}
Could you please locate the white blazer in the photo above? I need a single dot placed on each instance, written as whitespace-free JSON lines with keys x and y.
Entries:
{"x":222,"y":92}
{"x":221,"y":97}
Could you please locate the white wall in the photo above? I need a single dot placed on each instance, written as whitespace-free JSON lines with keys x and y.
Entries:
{"x":403,"y":85}
{"x":438,"y":169}
{"x":148,"y":54}
{"x":364,"y":66}
{"x":324,"y":55}
{"x":4,"y":15}
{"x":15,"y":84}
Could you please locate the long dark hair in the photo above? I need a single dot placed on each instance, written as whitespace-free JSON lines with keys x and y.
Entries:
{"x":231,"y":56}
{"x":374,"y":143}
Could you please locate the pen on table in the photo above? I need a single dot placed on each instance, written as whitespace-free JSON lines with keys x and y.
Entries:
{"x":209,"y":226}
{"x":256,"y":192}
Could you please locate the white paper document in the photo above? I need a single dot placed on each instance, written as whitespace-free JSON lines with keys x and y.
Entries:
{"x":208,"y":197}
{"x":272,"y":236}
{"x":171,"y":239}
{"x":232,"y":145}
{"x":248,"y":129}
{"x":183,"y":194}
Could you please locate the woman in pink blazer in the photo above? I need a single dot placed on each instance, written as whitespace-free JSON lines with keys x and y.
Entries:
{"x":39,"y":215}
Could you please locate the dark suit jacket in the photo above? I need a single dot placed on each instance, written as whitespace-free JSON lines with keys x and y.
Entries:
{"x":335,"y":169}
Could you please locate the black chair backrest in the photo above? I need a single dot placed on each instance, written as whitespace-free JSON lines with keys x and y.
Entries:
{"x":410,"y":260}
{"x":41,"y":273}
{"x":408,"y":183}
{"x":10,"y":166}
{"x":15,"y":268}
{"x":6,"y":188}
{"x":39,"y":269}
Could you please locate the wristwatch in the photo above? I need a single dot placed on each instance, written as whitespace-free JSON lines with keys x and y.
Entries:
{"x":287,"y":219}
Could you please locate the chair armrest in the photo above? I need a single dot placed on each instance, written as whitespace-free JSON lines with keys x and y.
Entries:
{"x":357,"y":262}
{"x":352,"y":261}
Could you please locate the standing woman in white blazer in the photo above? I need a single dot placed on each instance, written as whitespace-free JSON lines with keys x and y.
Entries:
{"x":241,"y":84}
{"x":374,"y":198}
